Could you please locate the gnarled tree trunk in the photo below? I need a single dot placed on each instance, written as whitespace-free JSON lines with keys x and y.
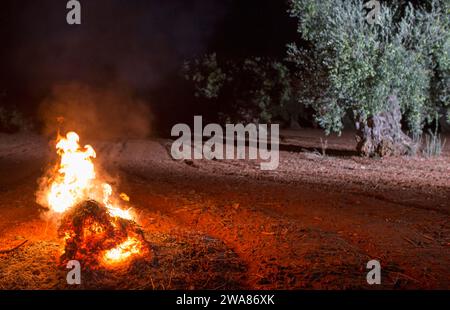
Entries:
{"x":382,"y":135}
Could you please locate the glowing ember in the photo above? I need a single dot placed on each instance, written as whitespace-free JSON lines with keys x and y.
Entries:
{"x":123,"y":251}
{"x":92,"y":236}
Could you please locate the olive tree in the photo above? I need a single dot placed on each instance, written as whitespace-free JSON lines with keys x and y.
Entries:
{"x":255,"y":89}
{"x":391,"y":76}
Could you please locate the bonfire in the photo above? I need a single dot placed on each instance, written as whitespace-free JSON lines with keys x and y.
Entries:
{"x":95,"y":226}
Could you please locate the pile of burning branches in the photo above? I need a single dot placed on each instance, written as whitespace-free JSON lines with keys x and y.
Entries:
{"x":93,"y":237}
{"x":97,"y":230}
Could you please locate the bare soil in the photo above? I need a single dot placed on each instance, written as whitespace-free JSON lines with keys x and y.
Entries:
{"x":314,"y":223}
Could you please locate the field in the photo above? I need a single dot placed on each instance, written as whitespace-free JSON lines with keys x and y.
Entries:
{"x":314,"y":223}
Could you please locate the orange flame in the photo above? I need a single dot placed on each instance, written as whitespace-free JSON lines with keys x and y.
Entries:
{"x":75,"y":179}
{"x":123,"y":251}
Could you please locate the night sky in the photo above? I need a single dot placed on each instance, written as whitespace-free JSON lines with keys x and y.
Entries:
{"x":139,"y":44}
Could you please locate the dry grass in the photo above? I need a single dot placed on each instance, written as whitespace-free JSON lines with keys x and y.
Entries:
{"x":178,"y":262}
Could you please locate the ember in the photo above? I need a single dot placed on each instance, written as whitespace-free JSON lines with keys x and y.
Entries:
{"x":93,"y":237}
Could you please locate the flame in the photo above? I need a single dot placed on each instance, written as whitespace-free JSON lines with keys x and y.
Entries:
{"x":124,"y":197}
{"x":123,"y":251}
{"x":113,"y":210}
{"x":75,"y":179}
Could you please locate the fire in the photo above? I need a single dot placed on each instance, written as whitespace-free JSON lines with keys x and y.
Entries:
{"x":93,"y":221}
{"x":114,"y":211}
{"x":75,"y":174}
{"x":75,"y":179}
{"x":123,"y":251}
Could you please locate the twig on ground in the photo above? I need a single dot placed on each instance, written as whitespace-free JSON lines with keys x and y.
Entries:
{"x":170,"y":277}
{"x":206,"y":283}
{"x":153,"y":284}
{"x":399,"y":274}
{"x":428,"y":237}
{"x":13,"y":249}
{"x":411,"y":242}
{"x":268,"y":233}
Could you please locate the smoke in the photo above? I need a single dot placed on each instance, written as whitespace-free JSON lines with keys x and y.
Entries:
{"x":95,"y":113}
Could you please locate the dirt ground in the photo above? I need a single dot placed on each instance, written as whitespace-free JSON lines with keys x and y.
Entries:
{"x":314,"y":223}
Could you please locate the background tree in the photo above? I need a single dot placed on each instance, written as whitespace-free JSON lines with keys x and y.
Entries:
{"x":392,"y":72}
{"x":11,"y":119}
{"x":253,"y":90}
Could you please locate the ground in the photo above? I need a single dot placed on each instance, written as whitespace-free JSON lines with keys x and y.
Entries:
{"x":312,"y":224}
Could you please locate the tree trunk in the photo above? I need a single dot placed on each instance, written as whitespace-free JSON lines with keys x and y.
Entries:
{"x":382,"y":135}
{"x":294,"y":124}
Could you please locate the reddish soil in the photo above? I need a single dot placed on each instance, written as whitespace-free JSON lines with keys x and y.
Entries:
{"x":314,"y":223}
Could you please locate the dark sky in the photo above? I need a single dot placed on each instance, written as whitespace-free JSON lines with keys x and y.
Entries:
{"x":137,"y":43}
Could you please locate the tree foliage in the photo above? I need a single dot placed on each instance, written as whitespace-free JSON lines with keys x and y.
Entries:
{"x":254,"y":89}
{"x":358,"y":66}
